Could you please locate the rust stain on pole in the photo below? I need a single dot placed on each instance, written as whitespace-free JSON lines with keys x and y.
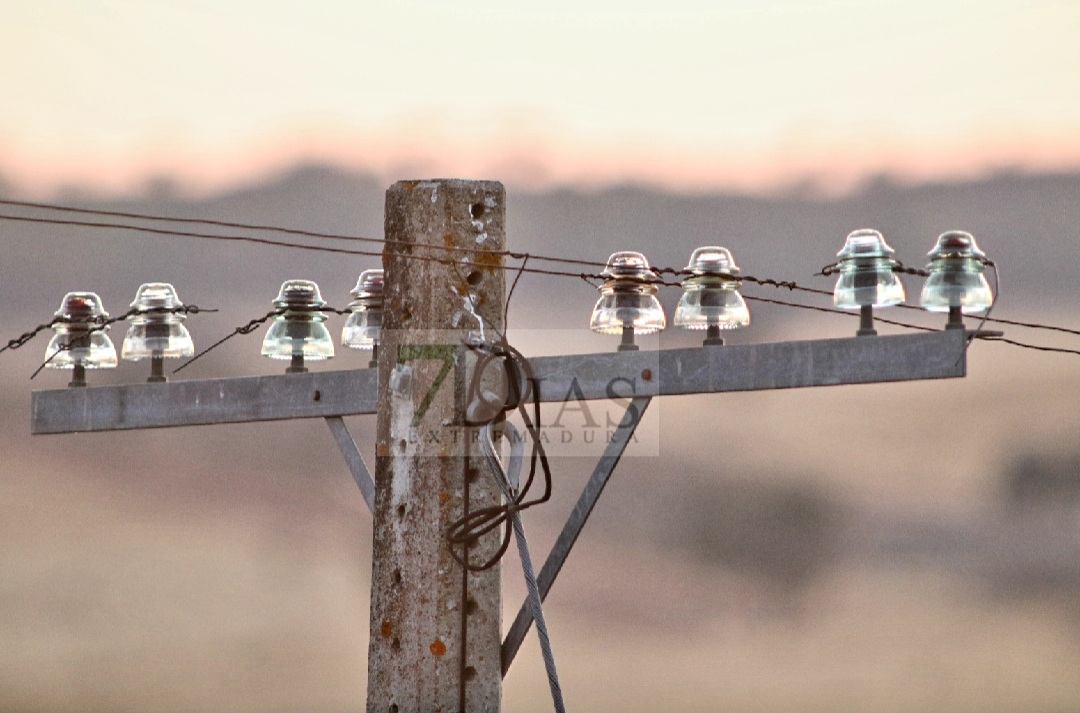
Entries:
{"x":422,"y":607}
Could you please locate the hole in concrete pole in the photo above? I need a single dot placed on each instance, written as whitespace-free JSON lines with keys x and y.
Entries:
{"x":471,"y":607}
{"x":477,"y":210}
{"x":401,"y":511}
{"x":393,"y":708}
{"x":474,"y":278}
{"x":470,"y":673}
{"x":396,"y":644}
{"x":397,"y":576}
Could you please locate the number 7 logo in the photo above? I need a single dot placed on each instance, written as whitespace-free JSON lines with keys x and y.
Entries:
{"x":436,"y":352}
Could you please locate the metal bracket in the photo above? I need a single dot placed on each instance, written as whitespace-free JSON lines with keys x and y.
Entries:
{"x":580,"y":514}
{"x":353,"y":459}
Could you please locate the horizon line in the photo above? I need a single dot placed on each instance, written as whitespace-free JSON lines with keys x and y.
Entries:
{"x":825,"y":168}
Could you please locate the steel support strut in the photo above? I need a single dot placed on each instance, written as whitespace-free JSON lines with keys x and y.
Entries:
{"x":580,"y":514}
{"x":353,"y":459}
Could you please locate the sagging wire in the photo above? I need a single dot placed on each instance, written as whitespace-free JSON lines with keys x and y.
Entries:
{"x":82,"y":340}
{"x":25,"y":337}
{"x":513,"y":286}
{"x":835,"y":310}
{"x":978,"y":333}
{"x":834,"y":267}
{"x":484,"y":407}
{"x":525,"y":257}
{"x":372,"y":253}
{"x":98,"y":323}
{"x":791,"y":285}
{"x":1036,"y":347}
{"x":245,"y":329}
{"x":251,"y":226}
{"x":190,"y":234}
{"x":248,"y":329}
{"x":1033,"y":325}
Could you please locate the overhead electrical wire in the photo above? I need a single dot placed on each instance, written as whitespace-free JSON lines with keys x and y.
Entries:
{"x":286,"y":231}
{"x":523,"y":267}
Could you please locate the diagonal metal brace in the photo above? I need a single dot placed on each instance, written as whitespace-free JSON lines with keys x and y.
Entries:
{"x":580,"y":514}
{"x":353,"y":459}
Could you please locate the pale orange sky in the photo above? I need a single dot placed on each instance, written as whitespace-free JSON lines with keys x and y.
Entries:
{"x":691,"y":94}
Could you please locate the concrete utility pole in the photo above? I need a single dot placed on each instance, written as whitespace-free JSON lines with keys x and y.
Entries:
{"x":435,"y":630}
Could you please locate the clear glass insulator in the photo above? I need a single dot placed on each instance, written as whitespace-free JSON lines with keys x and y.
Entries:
{"x":156,"y":334}
{"x":711,"y":302}
{"x":956,"y":275}
{"x":711,"y":294}
{"x":79,"y":337}
{"x":363,"y":328}
{"x":628,"y":297}
{"x":866,"y":273}
{"x":299,"y":330}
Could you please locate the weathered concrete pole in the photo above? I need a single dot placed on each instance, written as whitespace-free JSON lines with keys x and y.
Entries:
{"x":435,"y":631}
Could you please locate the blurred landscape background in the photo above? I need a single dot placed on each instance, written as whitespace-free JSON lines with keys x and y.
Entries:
{"x":911,"y":546}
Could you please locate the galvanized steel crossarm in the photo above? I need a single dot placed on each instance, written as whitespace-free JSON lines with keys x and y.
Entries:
{"x":694,"y":370}
{"x":204,"y":402}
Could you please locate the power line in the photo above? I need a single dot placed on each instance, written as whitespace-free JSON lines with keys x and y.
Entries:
{"x":835,"y":310}
{"x":102,"y":323}
{"x":1032,"y":346}
{"x":1034,"y":325}
{"x":371,"y":253}
{"x":337,"y":236}
{"x":188,"y":234}
{"x":524,"y":256}
{"x":519,"y":269}
{"x":383,"y":241}
{"x":286,"y":231}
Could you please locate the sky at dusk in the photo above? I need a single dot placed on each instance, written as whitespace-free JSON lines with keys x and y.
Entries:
{"x":691,"y":94}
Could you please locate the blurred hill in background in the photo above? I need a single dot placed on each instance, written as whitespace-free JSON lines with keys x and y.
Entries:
{"x":903,"y":546}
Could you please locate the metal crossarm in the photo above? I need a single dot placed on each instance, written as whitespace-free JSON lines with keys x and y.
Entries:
{"x":206,"y":402}
{"x":695,"y":370}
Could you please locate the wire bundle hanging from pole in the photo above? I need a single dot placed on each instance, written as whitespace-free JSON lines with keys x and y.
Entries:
{"x":484,"y":410}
